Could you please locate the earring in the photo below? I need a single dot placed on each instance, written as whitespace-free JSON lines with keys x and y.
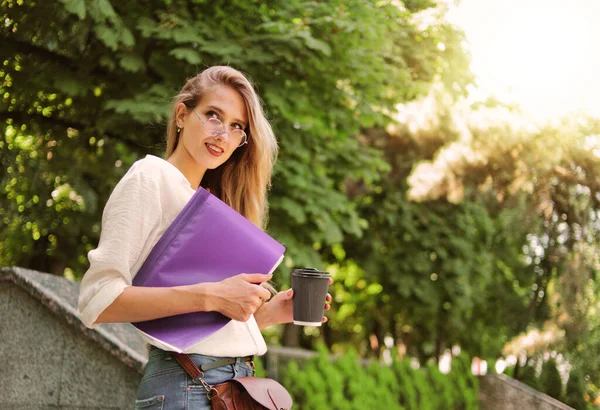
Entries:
{"x":178,"y":130}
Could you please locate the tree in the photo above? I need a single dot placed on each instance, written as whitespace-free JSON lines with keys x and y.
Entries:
{"x":85,"y":94}
{"x":575,"y":391}
{"x":550,"y":382}
{"x":472,"y":227}
{"x":528,"y":376}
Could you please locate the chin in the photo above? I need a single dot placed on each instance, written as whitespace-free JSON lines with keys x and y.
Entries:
{"x":213,"y":163}
{"x":205,"y":160}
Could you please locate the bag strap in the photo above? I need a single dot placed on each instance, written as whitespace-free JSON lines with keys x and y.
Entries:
{"x":188,"y":365}
{"x":195,"y":373}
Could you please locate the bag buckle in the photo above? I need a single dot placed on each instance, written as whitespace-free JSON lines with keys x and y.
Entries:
{"x":200,"y":380}
{"x":211,"y":393}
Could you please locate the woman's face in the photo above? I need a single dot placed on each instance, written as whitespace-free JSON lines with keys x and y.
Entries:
{"x":220,"y":102}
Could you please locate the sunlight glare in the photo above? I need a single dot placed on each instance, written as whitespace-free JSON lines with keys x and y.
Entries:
{"x":541,"y":54}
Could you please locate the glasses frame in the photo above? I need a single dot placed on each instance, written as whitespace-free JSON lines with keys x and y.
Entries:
{"x":222,"y":131}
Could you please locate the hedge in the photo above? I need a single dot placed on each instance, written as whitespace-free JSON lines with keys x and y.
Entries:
{"x":344,"y":384}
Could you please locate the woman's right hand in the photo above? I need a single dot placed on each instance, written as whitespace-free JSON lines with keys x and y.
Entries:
{"x":238,"y":297}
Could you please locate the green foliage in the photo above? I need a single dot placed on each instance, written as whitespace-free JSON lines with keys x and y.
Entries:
{"x":466,"y":384}
{"x":582,"y":327}
{"x":89,"y":83}
{"x":528,"y":375}
{"x":409,"y":391}
{"x":576,"y":391}
{"x":445,"y":395}
{"x":259,"y":368}
{"x":447,"y":269}
{"x":549,"y":381}
{"x":457,"y":239}
{"x":345,"y":384}
{"x":509,"y":371}
{"x":424,"y":390}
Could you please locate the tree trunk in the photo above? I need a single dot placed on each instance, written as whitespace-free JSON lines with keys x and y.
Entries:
{"x":37,"y":259}
{"x":438,"y":346}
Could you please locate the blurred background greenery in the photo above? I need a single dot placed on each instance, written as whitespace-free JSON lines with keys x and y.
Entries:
{"x":440,"y":158}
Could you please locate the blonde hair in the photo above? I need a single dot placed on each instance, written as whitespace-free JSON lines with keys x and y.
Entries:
{"x":242,"y":181}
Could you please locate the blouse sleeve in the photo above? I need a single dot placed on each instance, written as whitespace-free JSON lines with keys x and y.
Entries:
{"x":132,"y":212}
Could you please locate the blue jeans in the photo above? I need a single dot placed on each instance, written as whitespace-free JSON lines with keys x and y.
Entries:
{"x":166,"y":386}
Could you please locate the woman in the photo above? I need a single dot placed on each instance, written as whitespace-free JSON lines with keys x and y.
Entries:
{"x":217,"y":138}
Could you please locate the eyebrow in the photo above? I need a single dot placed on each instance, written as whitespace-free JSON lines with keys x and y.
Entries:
{"x":220,"y":111}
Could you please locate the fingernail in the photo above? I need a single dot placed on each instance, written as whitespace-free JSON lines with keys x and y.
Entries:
{"x":290,"y":292}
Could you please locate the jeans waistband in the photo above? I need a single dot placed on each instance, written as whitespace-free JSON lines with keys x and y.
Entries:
{"x":219,"y":362}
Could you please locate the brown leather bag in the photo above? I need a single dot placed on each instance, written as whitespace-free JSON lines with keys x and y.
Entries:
{"x":243,"y":393}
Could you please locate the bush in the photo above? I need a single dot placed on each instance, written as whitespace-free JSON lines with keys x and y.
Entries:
{"x":343,"y":384}
{"x":443,"y":386}
{"x":576,"y":390}
{"x":509,"y":371}
{"x":528,"y":376}
{"x":467,"y":385}
{"x":425,"y":393}
{"x":407,"y":394}
{"x":259,"y":367}
{"x":550,"y":382}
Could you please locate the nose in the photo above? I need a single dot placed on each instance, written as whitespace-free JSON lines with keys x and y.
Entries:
{"x":219,"y":134}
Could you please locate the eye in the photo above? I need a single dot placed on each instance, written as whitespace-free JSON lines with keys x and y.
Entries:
{"x":211,"y":114}
{"x":237,"y":126}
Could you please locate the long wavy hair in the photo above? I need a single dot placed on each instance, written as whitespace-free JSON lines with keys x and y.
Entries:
{"x":243,"y":180}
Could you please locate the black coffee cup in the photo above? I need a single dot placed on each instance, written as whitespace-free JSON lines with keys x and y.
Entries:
{"x":310,"y":291}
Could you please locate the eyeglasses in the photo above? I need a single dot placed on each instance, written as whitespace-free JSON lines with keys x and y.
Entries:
{"x":213,"y":127}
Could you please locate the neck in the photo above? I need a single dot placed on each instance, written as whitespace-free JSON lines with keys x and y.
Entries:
{"x":187,"y":165}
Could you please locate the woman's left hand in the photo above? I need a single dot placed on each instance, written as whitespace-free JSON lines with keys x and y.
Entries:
{"x":279,"y":309}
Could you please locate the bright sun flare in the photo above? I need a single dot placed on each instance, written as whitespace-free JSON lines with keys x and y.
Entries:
{"x":542,"y":54}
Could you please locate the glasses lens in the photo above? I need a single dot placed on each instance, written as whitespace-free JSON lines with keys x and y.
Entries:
{"x":213,"y":126}
{"x":239,"y":137}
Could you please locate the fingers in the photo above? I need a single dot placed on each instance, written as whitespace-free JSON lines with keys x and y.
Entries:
{"x":286,"y":294}
{"x":264,"y":294}
{"x":328,"y":299}
{"x":255,"y":277}
{"x":330,"y":281}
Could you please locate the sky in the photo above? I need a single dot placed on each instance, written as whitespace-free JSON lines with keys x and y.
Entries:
{"x":542,"y":54}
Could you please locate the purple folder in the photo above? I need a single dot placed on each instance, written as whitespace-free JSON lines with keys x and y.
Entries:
{"x":207,"y":242}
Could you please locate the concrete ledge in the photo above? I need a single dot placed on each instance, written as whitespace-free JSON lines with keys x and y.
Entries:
{"x":500,"y":392}
{"x":60,"y":296}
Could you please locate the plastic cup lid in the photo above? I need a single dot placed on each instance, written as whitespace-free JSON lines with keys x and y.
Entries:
{"x":310,"y":272}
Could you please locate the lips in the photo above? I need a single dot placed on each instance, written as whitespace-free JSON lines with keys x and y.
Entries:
{"x":214,"y":150}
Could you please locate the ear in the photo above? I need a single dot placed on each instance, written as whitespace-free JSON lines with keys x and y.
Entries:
{"x":181,"y":112}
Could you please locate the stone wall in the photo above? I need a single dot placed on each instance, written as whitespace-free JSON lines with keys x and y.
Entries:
{"x":50,"y":360}
{"x":500,"y":392}
{"x":49,"y":365}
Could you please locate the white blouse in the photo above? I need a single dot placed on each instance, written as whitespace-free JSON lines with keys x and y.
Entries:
{"x":141,"y":207}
